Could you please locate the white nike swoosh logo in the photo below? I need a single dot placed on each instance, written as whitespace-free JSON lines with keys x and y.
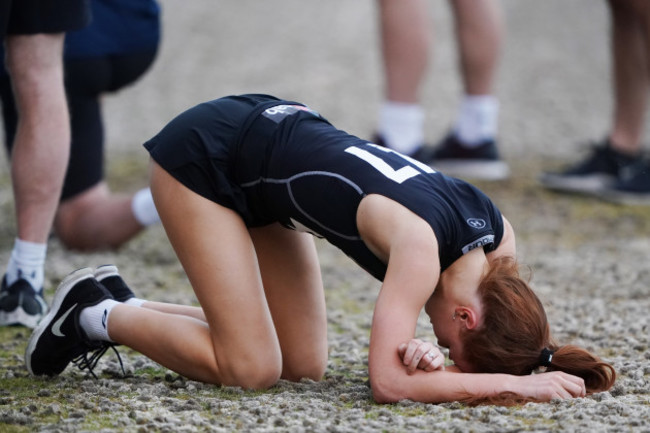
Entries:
{"x":56,"y":328}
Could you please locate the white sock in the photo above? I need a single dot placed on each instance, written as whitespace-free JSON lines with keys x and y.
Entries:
{"x":27,"y":261}
{"x":401,"y":126}
{"x":477,"y":119}
{"x":94,"y":320}
{"x":135,"y":302}
{"x":143,"y":208}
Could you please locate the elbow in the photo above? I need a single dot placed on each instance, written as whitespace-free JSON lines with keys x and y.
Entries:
{"x":383,"y":397}
{"x":385,"y":390}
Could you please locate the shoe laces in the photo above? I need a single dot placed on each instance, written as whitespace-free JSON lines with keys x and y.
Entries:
{"x":85,"y":362}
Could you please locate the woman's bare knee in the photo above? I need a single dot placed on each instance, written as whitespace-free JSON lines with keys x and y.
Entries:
{"x":259,"y":374}
{"x":313,"y":369}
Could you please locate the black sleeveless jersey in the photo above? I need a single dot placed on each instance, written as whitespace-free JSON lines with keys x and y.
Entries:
{"x":296,"y":168}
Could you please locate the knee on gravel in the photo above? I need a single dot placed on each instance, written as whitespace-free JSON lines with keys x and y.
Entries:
{"x":308,"y":368}
{"x":260,"y":373}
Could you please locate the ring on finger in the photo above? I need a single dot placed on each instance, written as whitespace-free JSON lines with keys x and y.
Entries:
{"x":430,"y":355}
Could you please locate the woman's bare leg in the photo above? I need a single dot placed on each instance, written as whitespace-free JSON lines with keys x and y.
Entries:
{"x":294,"y":291}
{"x":238,"y":345}
{"x":181,"y":310}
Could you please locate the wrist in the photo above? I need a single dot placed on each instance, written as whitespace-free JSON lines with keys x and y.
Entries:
{"x":511,"y":384}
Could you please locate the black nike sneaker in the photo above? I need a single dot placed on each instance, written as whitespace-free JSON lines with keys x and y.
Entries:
{"x":109,"y":277}
{"x":59,"y":339}
{"x":20,"y":304}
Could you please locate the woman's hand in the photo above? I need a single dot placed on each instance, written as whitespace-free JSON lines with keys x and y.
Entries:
{"x":421,"y":354}
{"x":549,"y":386}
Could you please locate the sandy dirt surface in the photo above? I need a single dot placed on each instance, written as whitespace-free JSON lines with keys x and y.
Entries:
{"x":590,"y":259}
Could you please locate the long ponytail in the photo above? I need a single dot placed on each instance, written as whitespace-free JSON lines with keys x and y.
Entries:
{"x":515,"y":338}
{"x":598,"y":375}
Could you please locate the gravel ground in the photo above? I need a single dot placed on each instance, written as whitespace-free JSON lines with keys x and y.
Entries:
{"x":589,"y":258}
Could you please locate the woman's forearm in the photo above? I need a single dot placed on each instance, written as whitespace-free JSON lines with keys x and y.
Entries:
{"x":445,"y":386}
{"x":442,"y":386}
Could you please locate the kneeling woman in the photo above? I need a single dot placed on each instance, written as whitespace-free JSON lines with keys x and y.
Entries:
{"x":237,"y":182}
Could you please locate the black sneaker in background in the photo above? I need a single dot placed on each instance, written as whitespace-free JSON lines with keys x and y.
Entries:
{"x":20,"y":304}
{"x":423,"y":153}
{"x":109,"y":277}
{"x":59,"y":339}
{"x":596,"y":173}
{"x":632,"y":186}
{"x":481,"y":162}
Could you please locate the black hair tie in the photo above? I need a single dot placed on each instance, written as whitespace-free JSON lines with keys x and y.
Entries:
{"x":545,"y":357}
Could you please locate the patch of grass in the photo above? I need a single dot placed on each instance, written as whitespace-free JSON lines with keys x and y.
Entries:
{"x":373,"y":415}
{"x":152,"y":371}
{"x":17,"y":334}
{"x":13,"y":428}
{"x":347,"y":373}
{"x":25,"y":387}
{"x":95,"y":421}
{"x":408,"y":411}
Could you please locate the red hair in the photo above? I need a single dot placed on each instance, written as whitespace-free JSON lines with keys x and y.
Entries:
{"x":515,"y":330}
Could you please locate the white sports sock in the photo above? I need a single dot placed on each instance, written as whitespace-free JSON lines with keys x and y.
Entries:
{"x":94,"y":320}
{"x":144,"y":208}
{"x":401,"y":126}
{"x":27,"y":261}
{"x":477,"y":119}
{"x":135,"y":302}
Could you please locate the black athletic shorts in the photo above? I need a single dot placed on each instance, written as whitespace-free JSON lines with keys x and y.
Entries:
{"x":198,"y":149}
{"x":26,"y":17}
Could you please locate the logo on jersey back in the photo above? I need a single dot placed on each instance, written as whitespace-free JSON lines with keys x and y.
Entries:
{"x":476,"y":223}
{"x":279,"y":112}
{"x":481,"y":242}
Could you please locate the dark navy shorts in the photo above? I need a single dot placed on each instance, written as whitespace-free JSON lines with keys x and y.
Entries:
{"x":26,"y":17}
{"x":199,"y":149}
